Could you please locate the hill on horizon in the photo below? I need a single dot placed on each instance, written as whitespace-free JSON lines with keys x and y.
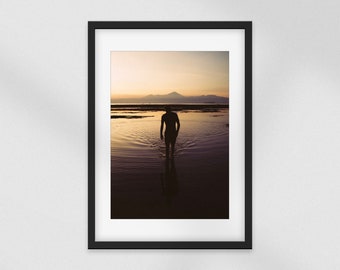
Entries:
{"x":174,"y":97}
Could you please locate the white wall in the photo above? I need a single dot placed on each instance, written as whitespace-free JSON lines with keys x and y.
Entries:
{"x":43,"y":116}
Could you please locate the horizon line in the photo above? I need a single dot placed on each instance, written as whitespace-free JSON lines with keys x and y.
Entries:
{"x":120,"y":96}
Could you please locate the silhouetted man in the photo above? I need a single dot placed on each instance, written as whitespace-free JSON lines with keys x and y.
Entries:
{"x":171,"y":131}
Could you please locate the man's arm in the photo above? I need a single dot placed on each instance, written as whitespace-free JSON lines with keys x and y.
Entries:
{"x":178,"y":124}
{"x":162,"y":125}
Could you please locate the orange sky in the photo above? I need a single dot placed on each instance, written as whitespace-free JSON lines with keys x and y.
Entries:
{"x":135,"y":74}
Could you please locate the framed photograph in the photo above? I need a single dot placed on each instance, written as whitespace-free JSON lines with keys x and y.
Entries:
{"x":170,"y":135}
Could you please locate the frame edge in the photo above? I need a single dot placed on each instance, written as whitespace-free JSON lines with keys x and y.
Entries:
{"x":92,"y":26}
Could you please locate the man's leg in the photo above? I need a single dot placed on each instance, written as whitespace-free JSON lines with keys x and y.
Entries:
{"x":167,"y":148}
{"x":173,"y":141}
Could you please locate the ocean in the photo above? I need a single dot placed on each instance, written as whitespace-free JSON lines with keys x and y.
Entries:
{"x":192,"y":184}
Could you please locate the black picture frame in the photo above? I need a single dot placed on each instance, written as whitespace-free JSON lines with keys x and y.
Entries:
{"x":241,"y":25}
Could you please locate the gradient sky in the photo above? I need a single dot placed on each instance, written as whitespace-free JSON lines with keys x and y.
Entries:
{"x":135,"y":74}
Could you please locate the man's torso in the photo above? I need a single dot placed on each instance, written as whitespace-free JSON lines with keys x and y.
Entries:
{"x":170,"y":120}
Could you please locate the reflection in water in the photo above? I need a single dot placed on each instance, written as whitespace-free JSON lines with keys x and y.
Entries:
{"x":169,"y":181}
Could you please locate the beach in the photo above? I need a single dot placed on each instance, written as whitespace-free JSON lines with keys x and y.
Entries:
{"x":192,"y":184}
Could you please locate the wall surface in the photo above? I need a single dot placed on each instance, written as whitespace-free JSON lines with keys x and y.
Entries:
{"x":43,"y":116}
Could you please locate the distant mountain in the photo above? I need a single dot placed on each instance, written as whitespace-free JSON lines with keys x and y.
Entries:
{"x":174,"y":97}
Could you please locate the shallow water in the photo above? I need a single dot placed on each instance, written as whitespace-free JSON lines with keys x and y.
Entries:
{"x":194,"y":184}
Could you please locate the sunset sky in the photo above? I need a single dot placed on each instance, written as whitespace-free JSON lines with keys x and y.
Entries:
{"x":137,"y":74}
